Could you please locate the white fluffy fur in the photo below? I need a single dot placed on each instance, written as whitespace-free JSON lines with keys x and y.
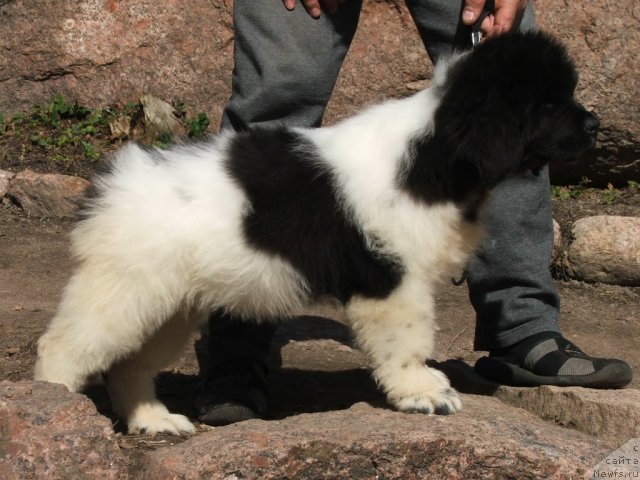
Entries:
{"x":365,"y":153}
{"x":164,"y":246}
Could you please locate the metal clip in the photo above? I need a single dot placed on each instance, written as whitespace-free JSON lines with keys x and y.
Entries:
{"x":476,"y":33}
{"x":475,"y":38}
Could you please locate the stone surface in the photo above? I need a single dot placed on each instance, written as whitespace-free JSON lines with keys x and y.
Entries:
{"x":605,"y":248}
{"x":48,"y":432}
{"x":365,"y":442}
{"x":613,"y":415}
{"x":322,"y":376}
{"x":5,"y":178}
{"x":47,"y":195}
{"x":105,"y":52}
{"x":601,"y":37}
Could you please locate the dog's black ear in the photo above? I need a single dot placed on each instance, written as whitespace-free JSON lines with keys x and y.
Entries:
{"x":485,"y":136}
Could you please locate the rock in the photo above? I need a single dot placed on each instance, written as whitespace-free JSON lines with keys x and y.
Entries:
{"x":394,"y":65}
{"x":105,"y":52}
{"x":605,"y":248}
{"x":48,"y":432}
{"x":609,"y":414}
{"x":5,"y":178}
{"x":613,"y":415}
{"x":47,"y":195}
{"x":600,"y":36}
{"x":365,"y":442}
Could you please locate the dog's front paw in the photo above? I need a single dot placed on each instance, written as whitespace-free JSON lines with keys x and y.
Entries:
{"x":157,"y":419}
{"x":432,"y":393}
{"x":444,"y":402}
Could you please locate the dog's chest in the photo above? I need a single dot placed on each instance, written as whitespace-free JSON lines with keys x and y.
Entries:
{"x":432,"y":240}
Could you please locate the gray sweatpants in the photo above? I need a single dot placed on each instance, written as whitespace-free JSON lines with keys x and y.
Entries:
{"x":286,"y":65}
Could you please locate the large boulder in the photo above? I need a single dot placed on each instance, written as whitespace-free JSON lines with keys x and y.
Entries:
{"x":608,"y":414}
{"x":605,"y":248}
{"x":48,"y":194}
{"x":47,"y":432}
{"x":487,"y":440}
{"x":601,"y":37}
{"x":5,"y":179}
{"x":104,"y":52}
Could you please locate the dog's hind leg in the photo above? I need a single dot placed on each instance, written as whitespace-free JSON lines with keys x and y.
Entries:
{"x":397,"y":334}
{"x":103,"y":317}
{"x":131,"y":381}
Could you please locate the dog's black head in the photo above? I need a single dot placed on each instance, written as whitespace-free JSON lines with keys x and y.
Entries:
{"x":508,"y":106}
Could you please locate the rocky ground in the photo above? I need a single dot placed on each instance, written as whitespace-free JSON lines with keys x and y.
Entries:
{"x":326,"y":419}
{"x":317,"y":422}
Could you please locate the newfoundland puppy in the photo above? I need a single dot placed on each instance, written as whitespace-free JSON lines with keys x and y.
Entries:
{"x":375,"y":211}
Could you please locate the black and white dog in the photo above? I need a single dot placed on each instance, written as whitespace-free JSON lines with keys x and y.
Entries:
{"x":376,"y":211}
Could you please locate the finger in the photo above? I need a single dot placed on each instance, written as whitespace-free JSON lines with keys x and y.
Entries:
{"x":472,"y":10}
{"x":488,"y":26}
{"x":507,"y":14}
{"x":312,"y":7}
{"x":289,"y":4}
{"x":505,"y":19}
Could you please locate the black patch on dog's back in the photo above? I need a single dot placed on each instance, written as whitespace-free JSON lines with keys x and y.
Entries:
{"x":296,"y":215}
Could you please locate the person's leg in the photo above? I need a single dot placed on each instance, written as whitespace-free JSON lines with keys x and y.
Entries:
{"x":515,"y":299}
{"x":509,"y":281}
{"x":286,"y":65}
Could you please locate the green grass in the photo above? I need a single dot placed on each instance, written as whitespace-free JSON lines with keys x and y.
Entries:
{"x":60,"y":129}
{"x":197,"y":126}
{"x":607,"y":196}
{"x":73,"y":136}
{"x":571,"y":191}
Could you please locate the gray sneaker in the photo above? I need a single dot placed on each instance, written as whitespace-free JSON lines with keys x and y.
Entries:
{"x":548,"y":358}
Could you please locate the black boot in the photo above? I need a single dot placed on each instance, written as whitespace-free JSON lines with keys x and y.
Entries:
{"x":548,"y":358}
{"x":234,"y":385}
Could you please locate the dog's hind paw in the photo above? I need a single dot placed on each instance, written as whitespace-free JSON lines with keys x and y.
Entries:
{"x":159,"y":420}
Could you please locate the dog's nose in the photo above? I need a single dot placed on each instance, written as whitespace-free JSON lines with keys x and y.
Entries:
{"x":591,"y":124}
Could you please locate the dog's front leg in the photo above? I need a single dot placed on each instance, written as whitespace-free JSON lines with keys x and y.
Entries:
{"x":397,"y":334}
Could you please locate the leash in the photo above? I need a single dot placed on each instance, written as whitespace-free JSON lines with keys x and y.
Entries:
{"x":476,"y":33}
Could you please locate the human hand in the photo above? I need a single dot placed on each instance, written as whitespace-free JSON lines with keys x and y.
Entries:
{"x":313,"y":7}
{"x":506,"y":14}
